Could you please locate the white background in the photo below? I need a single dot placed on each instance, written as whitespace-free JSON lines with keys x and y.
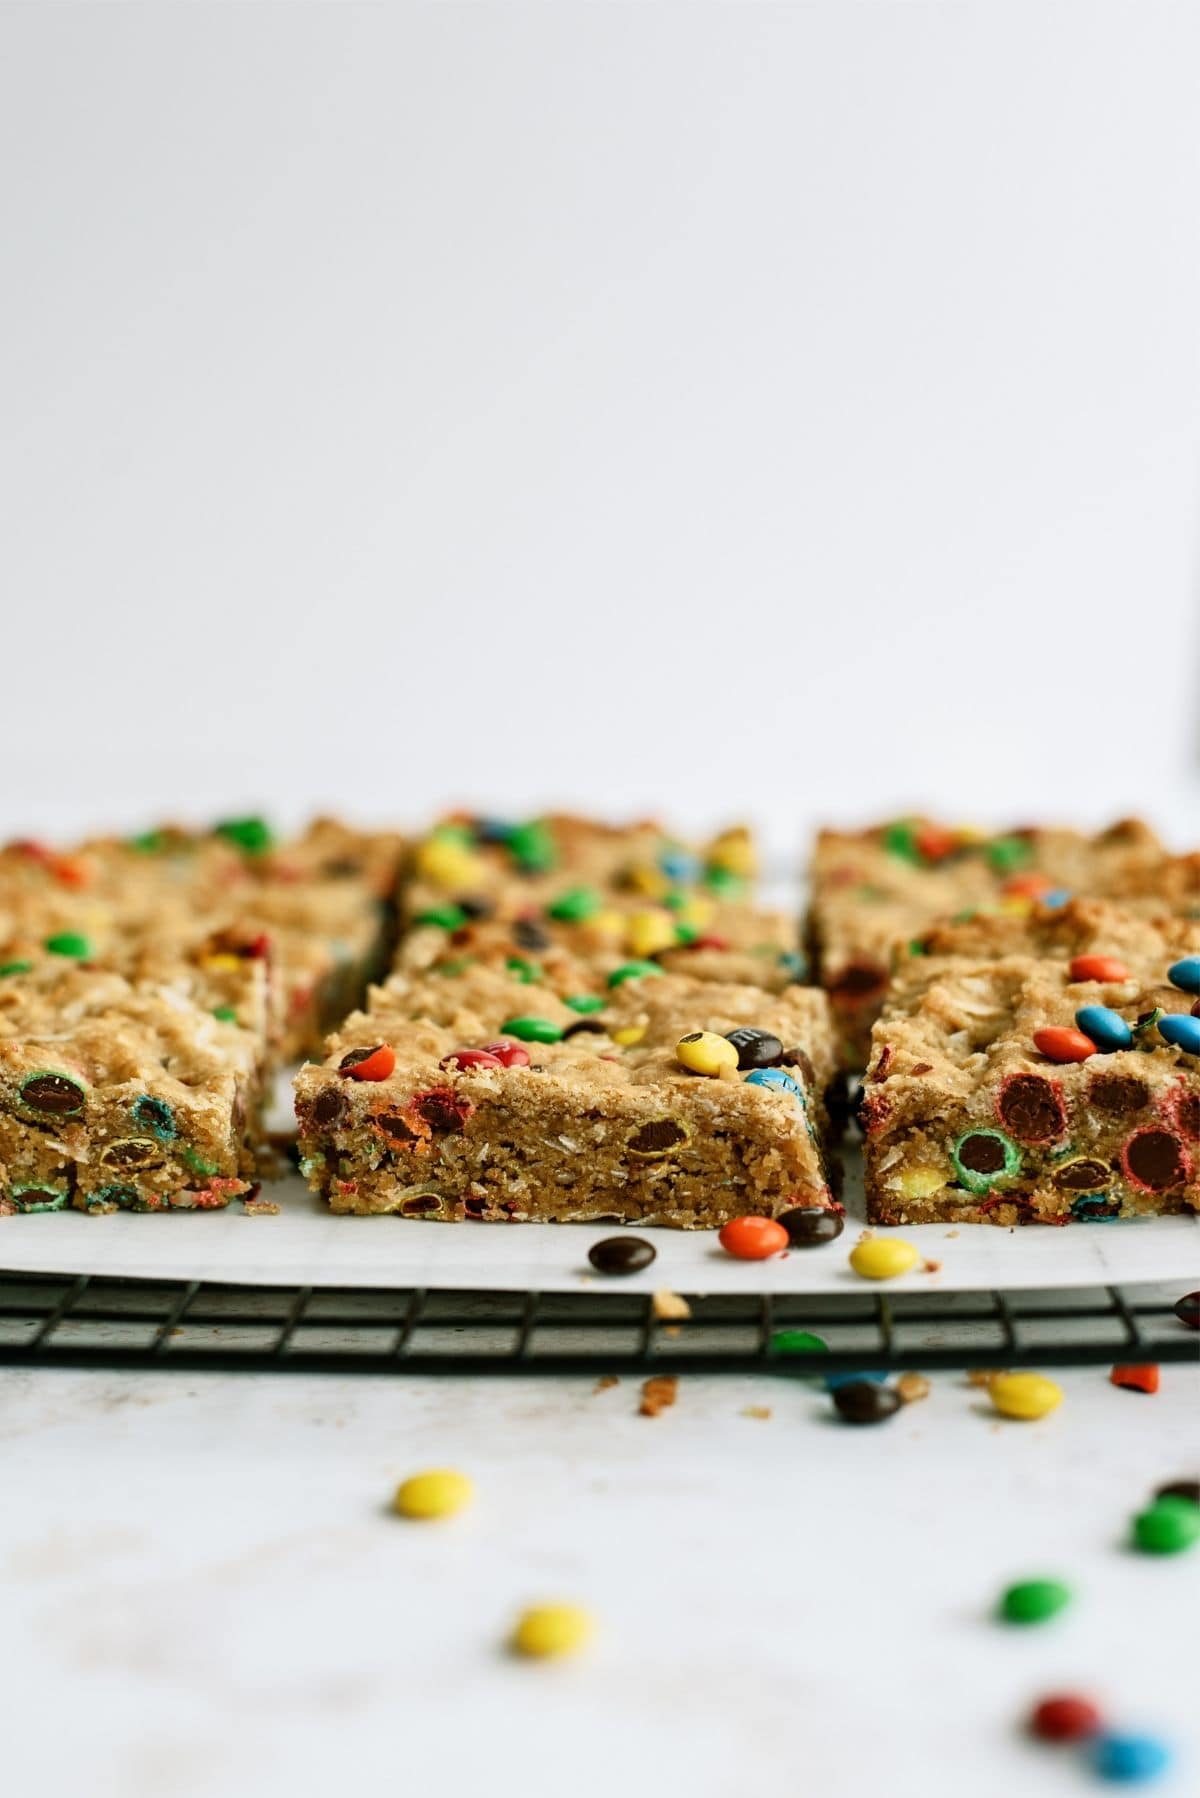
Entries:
{"x":204,"y":1595}
{"x":789,"y":409}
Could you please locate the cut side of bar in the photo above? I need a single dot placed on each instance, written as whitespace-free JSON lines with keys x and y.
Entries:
{"x":123,"y":1096}
{"x":967,"y":1121}
{"x":594,"y":1118}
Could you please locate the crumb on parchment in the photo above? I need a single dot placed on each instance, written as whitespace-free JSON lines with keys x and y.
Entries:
{"x":658,"y":1393}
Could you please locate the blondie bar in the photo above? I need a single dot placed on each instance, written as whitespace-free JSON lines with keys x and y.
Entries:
{"x":1039,"y":1070}
{"x":122,"y":1094}
{"x":317,"y":908}
{"x":488,"y":867}
{"x":702,"y":938}
{"x":875,"y":889}
{"x":486,"y":1097}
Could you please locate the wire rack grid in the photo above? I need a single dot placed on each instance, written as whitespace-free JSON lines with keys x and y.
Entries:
{"x":53,"y":1320}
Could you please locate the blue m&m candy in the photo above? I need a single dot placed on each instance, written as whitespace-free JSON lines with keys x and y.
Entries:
{"x":1181,"y":1032}
{"x":1128,"y":1759}
{"x":1056,"y":898}
{"x":1185,"y":974}
{"x":779,"y":1080}
{"x":678,"y":864}
{"x":1107,"y":1028}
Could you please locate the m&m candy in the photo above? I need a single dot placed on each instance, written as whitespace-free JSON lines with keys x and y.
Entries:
{"x":1066,"y":1717}
{"x":552,"y":1629}
{"x":439,"y":1492}
{"x":1185,"y":974}
{"x":752,"y":1238}
{"x":1024,"y":1395}
{"x":883,"y":1257}
{"x":1062,"y":1044}
{"x":1106,"y":1028}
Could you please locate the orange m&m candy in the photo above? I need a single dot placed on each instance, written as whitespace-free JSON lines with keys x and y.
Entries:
{"x":1027,"y":886}
{"x":1098,"y":967}
{"x":753,"y":1238}
{"x":369,"y":1064}
{"x":1063,"y":1044}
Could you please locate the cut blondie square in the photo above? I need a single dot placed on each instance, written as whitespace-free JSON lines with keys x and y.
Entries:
{"x":118,"y":1094}
{"x":875,"y":890}
{"x":1045,"y":1070}
{"x":317,"y":907}
{"x":480,"y":867}
{"x":487,"y":1097}
{"x":701,"y":938}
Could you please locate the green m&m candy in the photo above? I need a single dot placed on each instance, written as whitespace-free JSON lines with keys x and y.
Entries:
{"x":69,"y":942}
{"x":1034,"y":1600}
{"x":251,"y":835}
{"x":575,"y":906}
{"x":632,"y":970}
{"x":532,"y":1030}
{"x":1168,"y":1527}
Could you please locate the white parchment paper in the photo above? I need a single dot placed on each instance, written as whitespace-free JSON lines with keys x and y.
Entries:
{"x":304,"y":1245}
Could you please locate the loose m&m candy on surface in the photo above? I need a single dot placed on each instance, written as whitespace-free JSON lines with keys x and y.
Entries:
{"x":1034,"y":1600}
{"x":883,"y":1257}
{"x":1129,"y":1759}
{"x":1024,"y":1395}
{"x":439,"y":1492}
{"x":549,"y":1630}
{"x":752,"y":1238}
{"x":1066,"y":1717}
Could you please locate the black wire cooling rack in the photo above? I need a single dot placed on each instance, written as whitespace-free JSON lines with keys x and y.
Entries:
{"x":57,"y":1321}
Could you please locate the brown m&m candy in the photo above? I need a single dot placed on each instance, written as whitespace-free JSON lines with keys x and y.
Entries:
{"x":621,"y":1254}
{"x":810,"y":1226}
{"x":755,"y":1048}
{"x":866,"y":1401}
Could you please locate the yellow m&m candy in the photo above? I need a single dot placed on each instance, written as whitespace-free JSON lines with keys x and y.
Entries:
{"x":883,"y":1257}
{"x":648,"y":932}
{"x":552,"y":1629}
{"x":1026,"y":1395}
{"x":704,"y":1052}
{"x":440,"y":1492}
{"x":449,"y":863}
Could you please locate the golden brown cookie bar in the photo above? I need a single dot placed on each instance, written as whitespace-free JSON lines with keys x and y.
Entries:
{"x":1008,"y":1086}
{"x":490,"y":1098}
{"x":700,"y":937}
{"x":122,"y":1096}
{"x":485,"y":867}
{"x":317,"y":908}
{"x":875,"y":889}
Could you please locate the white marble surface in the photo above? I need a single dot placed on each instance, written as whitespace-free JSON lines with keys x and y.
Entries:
{"x":205,"y":1595}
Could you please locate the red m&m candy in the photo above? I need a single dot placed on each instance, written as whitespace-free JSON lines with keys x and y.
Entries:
{"x":507,"y":1053}
{"x":1064,"y":1718}
{"x":470,"y":1058}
